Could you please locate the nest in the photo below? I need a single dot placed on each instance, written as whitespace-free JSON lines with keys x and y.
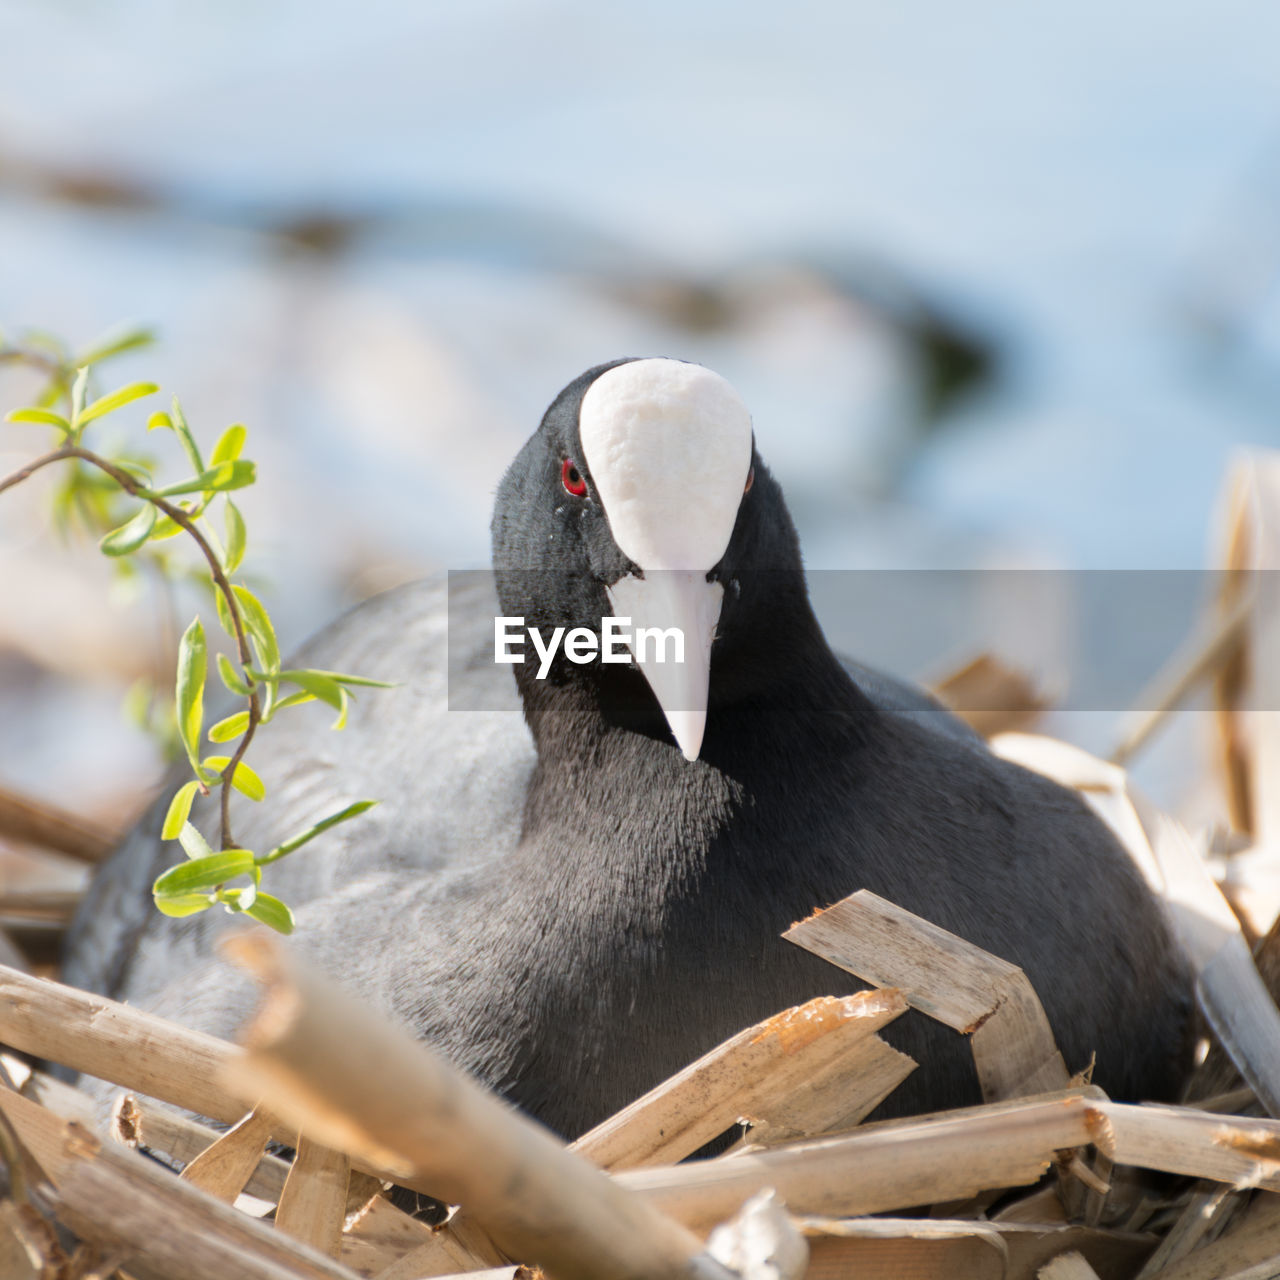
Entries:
{"x":1047,"y":1178}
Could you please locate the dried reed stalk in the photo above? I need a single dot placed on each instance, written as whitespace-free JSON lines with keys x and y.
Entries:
{"x":952,"y":1155}
{"x":314,"y":1054}
{"x":114,"y":1042}
{"x":880,"y":1167}
{"x":140,"y":1123}
{"x":113,"y":1197}
{"x":55,"y":906}
{"x":961,"y":1249}
{"x":1250,"y":1252}
{"x":377,"y":1235}
{"x":968,"y":989}
{"x":225,"y":1168}
{"x":755,"y":1076}
{"x":314,"y":1201}
{"x":990,"y":696}
{"x":1248,"y":689}
{"x":38,"y":823}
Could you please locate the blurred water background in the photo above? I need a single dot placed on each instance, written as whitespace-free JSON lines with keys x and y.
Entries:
{"x":1000,"y":283}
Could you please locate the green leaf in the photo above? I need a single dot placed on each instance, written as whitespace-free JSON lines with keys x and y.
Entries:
{"x":235,"y":473}
{"x":303,"y":837}
{"x":193,"y":664}
{"x":115,"y":343}
{"x":341,"y":721}
{"x":244,"y":779}
{"x":231,"y":678}
{"x":183,"y":432}
{"x":131,"y":535}
{"x":260,"y":629}
{"x":46,"y":417}
{"x":229,"y":445}
{"x":179,"y":810}
{"x":272,"y":912}
{"x":205,"y":873}
{"x":317,"y":683}
{"x":224,"y":614}
{"x":325,"y":686}
{"x":193,"y":843}
{"x":226,"y":475}
{"x":116,"y":400}
{"x":236,"y":900}
{"x":247,"y":782}
{"x":54,"y":391}
{"x":362,"y":682}
{"x":185,"y":904}
{"x":295,"y":700}
{"x":230,"y":728}
{"x":160,"y":419}
{"x":91,"y":480}
{"x":235,"y":537}
{"x":44,"y":340}
{"x":78,"y":388}
{"x":165,"y":528}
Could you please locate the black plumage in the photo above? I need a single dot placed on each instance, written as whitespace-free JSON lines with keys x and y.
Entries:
{"x":575,"y":917}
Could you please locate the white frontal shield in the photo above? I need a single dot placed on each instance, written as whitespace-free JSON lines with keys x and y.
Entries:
{"x":668,"y":446}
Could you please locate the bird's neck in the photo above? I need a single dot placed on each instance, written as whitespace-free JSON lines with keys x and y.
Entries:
{"x":778,"y":694}
{"x":769,"y":656}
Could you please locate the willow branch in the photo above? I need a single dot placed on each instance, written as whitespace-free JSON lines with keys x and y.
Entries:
{"x":183,"y":520}
{"x":51,"y":365}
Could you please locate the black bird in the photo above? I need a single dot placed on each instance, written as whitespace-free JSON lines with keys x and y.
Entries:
{"x":577,"y":910}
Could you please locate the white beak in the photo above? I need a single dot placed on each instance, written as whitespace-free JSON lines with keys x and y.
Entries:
{"x":661,"y":603}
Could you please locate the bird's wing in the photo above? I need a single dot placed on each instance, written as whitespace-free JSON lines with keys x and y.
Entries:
{"x":451,"y":782}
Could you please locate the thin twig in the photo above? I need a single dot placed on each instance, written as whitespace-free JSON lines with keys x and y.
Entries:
{"x":54,"y":367}
{"x":175,"y":513}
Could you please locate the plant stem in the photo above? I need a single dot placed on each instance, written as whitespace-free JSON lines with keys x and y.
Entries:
{"x":54,"y":367}
{"x":131,"y":485}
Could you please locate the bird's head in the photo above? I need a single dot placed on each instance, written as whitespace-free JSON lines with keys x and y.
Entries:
{"x":641,"y":496}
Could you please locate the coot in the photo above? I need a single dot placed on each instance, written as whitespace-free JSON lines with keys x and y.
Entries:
{"x":576,"y":904}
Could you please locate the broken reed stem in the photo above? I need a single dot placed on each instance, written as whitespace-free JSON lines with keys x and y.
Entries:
{"x":313,"y":1052}
{"x":954,"y":1155}
{"x":40,"y":906}
{"x":114,"y":1197}
{"x":314,"y":1201}
{"x":113,"y":1042}
{"x":881,"y":1167}
{"x":38,"y":823}
{"x":748,"y":1077}
{"x":951,"y":980}
{"x":1195,"y":661}
{"x":227,"y":1166}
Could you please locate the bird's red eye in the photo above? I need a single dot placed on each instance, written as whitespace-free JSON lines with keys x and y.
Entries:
{"x":751,"y":479}
{"x":572,"y":479}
